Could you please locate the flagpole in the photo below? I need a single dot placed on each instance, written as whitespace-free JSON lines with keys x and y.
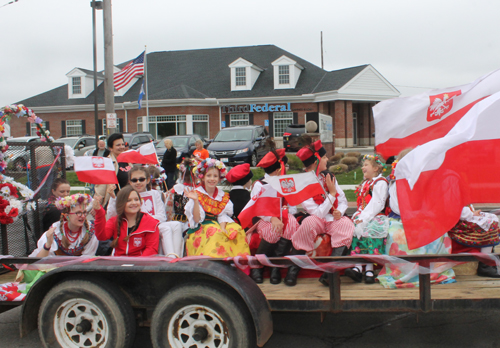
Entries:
{"x":147,"y":81}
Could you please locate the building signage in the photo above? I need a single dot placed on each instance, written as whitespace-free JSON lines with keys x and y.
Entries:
{"x":255,"y":108}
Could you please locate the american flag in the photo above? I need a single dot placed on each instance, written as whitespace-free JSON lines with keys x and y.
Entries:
{"x":131,"y":70}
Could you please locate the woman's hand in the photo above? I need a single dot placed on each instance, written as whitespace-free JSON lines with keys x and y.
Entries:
{"x":110,"y":189}
{"x":50,"y":237}
{"x":330,"y":183}
{"x":277,"y":225}
{"x":191,"y":194}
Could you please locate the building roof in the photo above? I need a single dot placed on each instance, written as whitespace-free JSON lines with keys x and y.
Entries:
{"x":204,"y":73}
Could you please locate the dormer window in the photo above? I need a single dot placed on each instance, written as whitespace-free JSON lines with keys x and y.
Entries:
{"x":286,"y":72}
{"x":77,"y":85}
{"x":243,"y":74}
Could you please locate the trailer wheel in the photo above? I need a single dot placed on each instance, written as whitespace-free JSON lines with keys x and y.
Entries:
{"x":81,"y":313}
{"x":193,"y":315}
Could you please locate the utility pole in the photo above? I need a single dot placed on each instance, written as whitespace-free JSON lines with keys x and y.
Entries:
{"x":322,"y":50}
{"x":96,"y":5}
{"x":109,"y":88}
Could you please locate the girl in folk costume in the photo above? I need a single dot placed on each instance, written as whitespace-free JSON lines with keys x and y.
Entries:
{"x":60,"y":188}
{"x":326,"y":211}
{"x":371,"y":222}
{"x":134,"y":233}
{"x":476,"y":232}
{"x":406,"y":275}
{"x":275,"y":233}
{"x":73,"y":235}
{"x":212,"y":232}
{"x":241,"y":179}
{"x":171,"y":241}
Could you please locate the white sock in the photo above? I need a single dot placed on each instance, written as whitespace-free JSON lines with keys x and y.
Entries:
{"x":487,"y":250}
{"x":369,"y":268}
{"x":358,"y":268}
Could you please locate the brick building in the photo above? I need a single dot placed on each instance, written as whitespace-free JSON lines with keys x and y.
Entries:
{"x":202,"y":91}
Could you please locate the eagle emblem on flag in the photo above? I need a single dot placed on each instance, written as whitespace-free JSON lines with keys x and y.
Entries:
{"x":287,"y":185}
{"x":440,"y":105}
{"x":97,"y":162}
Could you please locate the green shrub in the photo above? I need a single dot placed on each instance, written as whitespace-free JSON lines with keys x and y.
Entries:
{"x":353,"y":154}
{"x":336,"y":158}
{"x":349,"y":161}
{"x":338,"y":168}
{"x":294,"y":162}
{"x":341,"y":154}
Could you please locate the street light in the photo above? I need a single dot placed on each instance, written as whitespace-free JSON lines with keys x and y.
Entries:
{"x":96,"y":5}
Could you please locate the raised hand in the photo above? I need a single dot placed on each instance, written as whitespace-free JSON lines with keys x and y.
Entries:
{"x":110,"y":189}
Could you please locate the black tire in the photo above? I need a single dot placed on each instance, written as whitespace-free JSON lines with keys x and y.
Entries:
{"x":111,"y":318}
{"x":253,"y":160}
{"x":224,"y":317}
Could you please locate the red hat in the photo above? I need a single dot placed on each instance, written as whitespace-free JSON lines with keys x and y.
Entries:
{"x":271,"y":162}
{"x":240,"y":174}
{"x":309,"y":153}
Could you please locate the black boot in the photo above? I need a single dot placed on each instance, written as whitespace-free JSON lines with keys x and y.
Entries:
{"x":483,"y":270}
{"x":283,"y":248}
{"x":293,"y":271}
{"x":257,"y":274}
{"x":340,"y":251}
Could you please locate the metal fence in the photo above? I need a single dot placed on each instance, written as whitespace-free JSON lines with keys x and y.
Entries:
{"x":29,"y":163}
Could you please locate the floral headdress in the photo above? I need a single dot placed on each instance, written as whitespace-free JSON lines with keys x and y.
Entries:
{"x":376,"y":158}
{"x":73,"y":200}
{"x":202,"y":167}
{"x":392,"y":176}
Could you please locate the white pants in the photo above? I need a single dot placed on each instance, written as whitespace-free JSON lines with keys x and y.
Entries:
{"x":171,"y":241}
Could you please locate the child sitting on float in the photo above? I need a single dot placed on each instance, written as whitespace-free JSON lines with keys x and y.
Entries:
{"x":212,"y":232}
{"x":240,"y":177}
{"x":370,"y":219}
{"x":171,"y":242}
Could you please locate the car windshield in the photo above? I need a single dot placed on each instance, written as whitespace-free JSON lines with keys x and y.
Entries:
{"x":177,"y":142}
{"x":68,"y":141}
{"x":234,"y":135}
{"x":127,"y":138}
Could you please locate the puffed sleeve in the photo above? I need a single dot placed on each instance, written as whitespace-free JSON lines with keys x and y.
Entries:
{"x":377,"y":203}
{"x":160,"y":211}
{"x":225,"y":214}
{"x":342,"y":206}
{"x":466,"y":214}
{"x":188,"y":210}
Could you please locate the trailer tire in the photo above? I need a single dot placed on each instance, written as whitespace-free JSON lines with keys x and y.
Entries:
{"x":200,"y":315}
{"x":79,"y":313}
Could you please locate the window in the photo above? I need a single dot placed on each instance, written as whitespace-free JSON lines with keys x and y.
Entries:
{"x":166,"y":125}
{"x":284,"y":74}
{"x":281,"y":121}
{"x":238,"y":120}
{"x":73,"y":127}
{"x":77,"y":85}
{"x":200,"y":125}
{"x":34,"y":129}
{"x":241,"y":77}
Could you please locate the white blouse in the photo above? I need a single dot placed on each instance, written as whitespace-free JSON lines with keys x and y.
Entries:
{"x":323,"y":210}
{"x":484,"y":220}
{"x":377,"y":202}
{"x":393,"y":198}
{"x":224,"y":216}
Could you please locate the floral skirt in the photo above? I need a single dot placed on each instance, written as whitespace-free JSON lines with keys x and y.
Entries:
{"x":210,"y":240}
{"x":471,"y":234}
{"x":367,"y":245}
{"x":405,"y":275}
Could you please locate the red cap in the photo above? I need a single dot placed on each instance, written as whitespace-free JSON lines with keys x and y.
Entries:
{"x":240,"y":174}
{"x":307,"y":155}
{"x":270,"y":158}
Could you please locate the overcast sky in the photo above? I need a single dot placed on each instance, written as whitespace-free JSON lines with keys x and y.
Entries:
{"x":416,"y":43}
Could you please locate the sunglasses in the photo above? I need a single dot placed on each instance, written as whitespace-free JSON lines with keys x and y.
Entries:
{"x":80,"y":213}
{"x":134,"y":180}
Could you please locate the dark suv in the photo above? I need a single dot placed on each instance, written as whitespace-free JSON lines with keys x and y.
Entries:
{"x":291,"y":137}
{"x":237,"y":145}
{"x":137,"y":139}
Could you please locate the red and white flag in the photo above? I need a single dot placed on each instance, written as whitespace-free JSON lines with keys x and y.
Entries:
{"x":401,"y":123}
{"x":436,"y":180}
{"x":95,"y":170}
{"x":264,"y":203}
{"x":146,"y":154}
{"x":296,"y":188}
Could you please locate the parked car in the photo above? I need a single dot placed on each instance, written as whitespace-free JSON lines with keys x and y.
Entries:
{"x":241,"y":144}
{"x":183,"y":144}
{"x":291,"y":137}
{"x":19,"y":156}
{"x":137,"y":139}
{"x":79,"y":144}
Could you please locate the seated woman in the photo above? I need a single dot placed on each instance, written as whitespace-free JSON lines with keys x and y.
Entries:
{"x":60,"y":188}
{"x":212,"y":232}
{"x":406,"y":275}
{"x":171,"y":241}
{"x":134,"y":233}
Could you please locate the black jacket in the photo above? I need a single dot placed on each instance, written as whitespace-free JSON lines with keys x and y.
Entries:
{"x":240,"y":198}
{"x":105,"y":154}
{"x":169,"y":161}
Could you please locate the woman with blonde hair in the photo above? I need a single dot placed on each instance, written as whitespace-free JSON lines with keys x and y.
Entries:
{"x":169,"y":162}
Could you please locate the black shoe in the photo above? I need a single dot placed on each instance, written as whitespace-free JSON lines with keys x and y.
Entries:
{"x":283,"y":248}
{"x":354,"y":274}
{"x":291,"y":276}
{"x":324,"y":279}
{"x":340,"y":251}
{"x":257,"y":274}
{"x":369,"y":279}
{"x":483,"y":270}
{"x":275,"y":275}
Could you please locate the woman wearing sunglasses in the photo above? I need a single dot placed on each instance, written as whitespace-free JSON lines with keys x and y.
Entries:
{"x":73,"y":234}
{"x":171,"y":241}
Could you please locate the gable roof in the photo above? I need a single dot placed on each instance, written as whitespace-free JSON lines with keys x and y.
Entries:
{"x":204,"y":73}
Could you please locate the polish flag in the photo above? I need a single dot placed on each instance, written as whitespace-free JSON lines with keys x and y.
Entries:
{"x":296,"y":188}
{"x":95,"y":170}
{"x":436,"y":180}
{"x":408,"y":122}
{"x":146,"y":154}
{"x":264,"y":203}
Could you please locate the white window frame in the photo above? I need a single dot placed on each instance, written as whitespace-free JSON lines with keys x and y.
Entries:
{"x":73,"y":128}
{"x":240,"y":74}
{"x":284,"y":76}
{"x":199,"y":118}
{"x":76,"y":82}
{"x":239,"y":119}
{"x":33,"y":129}
{"x":278,"y":118}
{"x":166,"y":119}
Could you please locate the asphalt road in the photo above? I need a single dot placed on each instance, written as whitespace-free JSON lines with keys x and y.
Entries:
{"x":298,"y":330}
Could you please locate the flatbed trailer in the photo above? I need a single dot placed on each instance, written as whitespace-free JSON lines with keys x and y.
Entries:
{"x":211,"y":303}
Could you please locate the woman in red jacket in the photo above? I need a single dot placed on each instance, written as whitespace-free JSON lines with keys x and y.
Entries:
{"x":134,"y":233}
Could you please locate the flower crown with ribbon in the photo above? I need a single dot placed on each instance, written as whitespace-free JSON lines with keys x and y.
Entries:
{"x":201,"y":168}
{"x":73,"y":200}
{"x":375,"y":158}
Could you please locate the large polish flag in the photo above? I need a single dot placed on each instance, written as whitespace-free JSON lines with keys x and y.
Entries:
{"x":296,"y":188}
{"x":264,"y":203}
{"x":95,"y":170}
{"x":146,"y":154}
{"x":436,"y":180}
{"x":401,"y":123}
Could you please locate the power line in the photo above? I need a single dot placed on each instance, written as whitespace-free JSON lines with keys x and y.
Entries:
{"x":13,"y":1}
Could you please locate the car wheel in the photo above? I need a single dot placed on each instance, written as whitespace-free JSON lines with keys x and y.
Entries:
{"x":253,"y":161}
{"x":201,"y":315}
